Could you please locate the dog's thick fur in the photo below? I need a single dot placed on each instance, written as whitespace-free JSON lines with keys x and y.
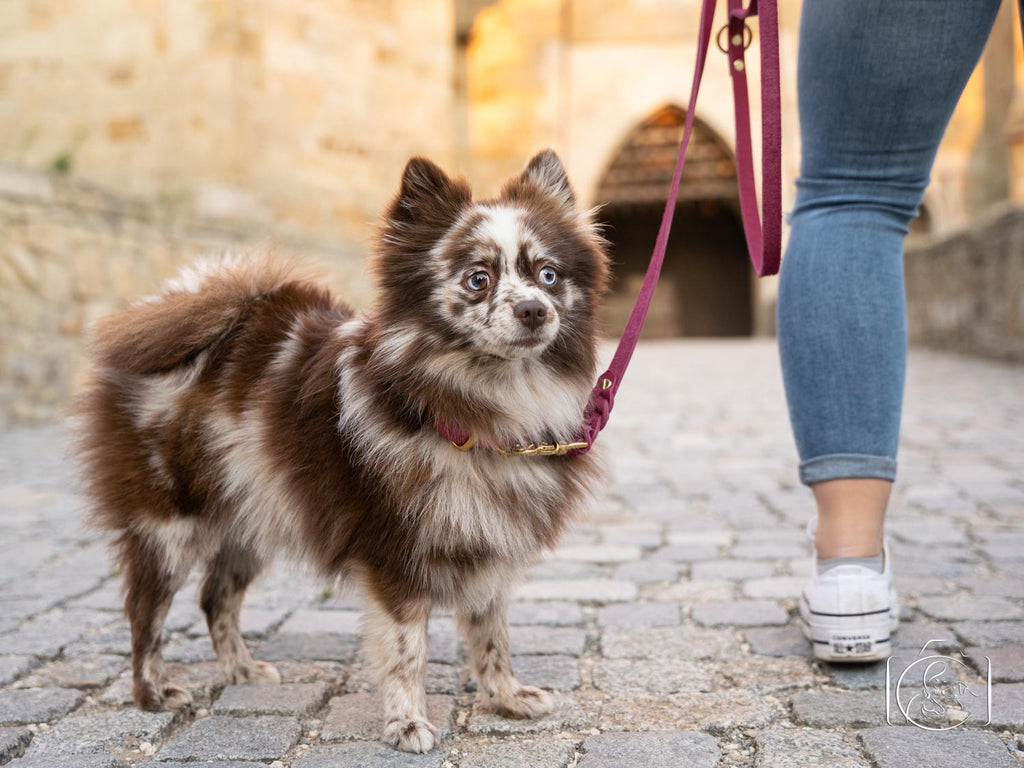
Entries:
{"x":243,"y":411}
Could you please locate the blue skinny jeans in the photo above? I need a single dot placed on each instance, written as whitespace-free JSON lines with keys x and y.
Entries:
{"x":877,"y":83}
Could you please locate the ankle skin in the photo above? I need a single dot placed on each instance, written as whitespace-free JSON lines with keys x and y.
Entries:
{"x":851,"y":517}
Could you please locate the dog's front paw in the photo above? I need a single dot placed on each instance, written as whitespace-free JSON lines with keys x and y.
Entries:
{"x":526,"y":701}
{"x":257,"y":672}
{"x":413,"y":735}
{"x":155,"y":697}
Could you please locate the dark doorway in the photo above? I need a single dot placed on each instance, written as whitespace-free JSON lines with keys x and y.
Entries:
{"x":705,"y":286}
{"x":706,"y":283}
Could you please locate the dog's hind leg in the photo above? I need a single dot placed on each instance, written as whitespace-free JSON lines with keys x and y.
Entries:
{"x":396,"y":641}
{"x":498,"y":690}
{"x":229,"y":573}
{"x":152,"y":575}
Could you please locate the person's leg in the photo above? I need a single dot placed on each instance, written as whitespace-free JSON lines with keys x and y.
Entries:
{"x":878,"y":82}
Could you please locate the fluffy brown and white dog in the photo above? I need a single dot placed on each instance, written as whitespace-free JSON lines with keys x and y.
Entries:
{"x":244,"y":412}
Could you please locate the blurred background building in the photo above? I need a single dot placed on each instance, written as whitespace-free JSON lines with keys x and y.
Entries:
{"x":136,"y":135}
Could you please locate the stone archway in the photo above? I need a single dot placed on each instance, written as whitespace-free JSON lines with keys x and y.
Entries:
{"x":706,"y":283}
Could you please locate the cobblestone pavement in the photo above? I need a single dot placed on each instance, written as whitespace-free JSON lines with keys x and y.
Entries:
{"x":665,"y":624}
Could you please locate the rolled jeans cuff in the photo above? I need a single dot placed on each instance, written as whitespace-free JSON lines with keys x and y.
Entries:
{"x":845,"y":465}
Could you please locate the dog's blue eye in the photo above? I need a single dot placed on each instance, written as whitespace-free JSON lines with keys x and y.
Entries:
{"x":548,"y":276}
{"x":478,"y":281}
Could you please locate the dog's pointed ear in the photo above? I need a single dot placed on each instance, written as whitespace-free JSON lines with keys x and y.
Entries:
{"x":545,"y":173}
{"x":427,"y":192}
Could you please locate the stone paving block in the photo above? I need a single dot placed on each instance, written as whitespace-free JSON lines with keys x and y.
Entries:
{"x":283,"y":699}
{"x":733,"y":570}
{"x":562,"y":570}
{"x":234,"y":738}
{"x":293,"y":647}
{"x":802,"y":748}
{"x":357,"y":716}
{"x":914,"y":634}
{"x":13,"y":742}
{"x":990,"y":633}
{"x":598,"y":553}
{"x":774,"y":587}
{"x":849,"y":709}
{"x":37,"y":705}
{"x":645,"y":676}
{"x":739,"y":613}
{"x":201,"y":680}
{"x":214,"y":764}
{"x":1007,"y":662}
{"x":101,"y":734}
{"x":898,"y":747}
{"x":526,"y":640}
{"x":639,"y":534}
{"x":542,"y":753}
{"x":255,"y":622}
{"x":861,"y":676}
{"x":1004,"y":585}
{"x":683,"y":642}
{"x":81,"y":761}
{"x":684,"y":553}
{"x":364,"y":755}
{"x":567,"y":715}
{"x":307,"y":621}
{"x":613,"y":750}
{"x":715,"y":712}
{"x":115,"y":640}
{"x":639,"y":615}
{"x":713,"y":537}
{"x":763,"y":673}
{"x":776,"y":550}
{"x":556,"y":673}
{"x":552,"y":614}
{"x":1008,"y":706}
{"x":976,"y":608}
{"x":689,"y":591}
{"x":92,"y":671}
{"x":443,"y":642}
{"x":441,"y":678}
{"x":189,"y":650}
{"x":648,"y":572}
{"x":42,"y":636}
{"x":589,"y":590}
{"x":13,"y":667}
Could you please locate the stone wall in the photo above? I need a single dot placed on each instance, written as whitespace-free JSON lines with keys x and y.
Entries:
{"x":299,"y":112}
{"x":69,"y":252}
{"x":965,"y":291}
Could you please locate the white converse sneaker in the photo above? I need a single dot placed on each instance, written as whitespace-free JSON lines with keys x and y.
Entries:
{"x":850,"y":612}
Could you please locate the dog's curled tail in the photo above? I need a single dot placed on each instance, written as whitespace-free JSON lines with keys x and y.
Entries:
{"x":191,"y":312}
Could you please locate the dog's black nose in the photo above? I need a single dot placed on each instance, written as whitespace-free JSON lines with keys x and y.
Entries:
{"x":532,"y":314}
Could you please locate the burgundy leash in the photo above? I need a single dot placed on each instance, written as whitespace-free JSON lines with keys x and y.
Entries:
{"x":763,"y":243}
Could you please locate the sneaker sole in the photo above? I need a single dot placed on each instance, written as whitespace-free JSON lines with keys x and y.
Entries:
{"x":849,"y":638}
